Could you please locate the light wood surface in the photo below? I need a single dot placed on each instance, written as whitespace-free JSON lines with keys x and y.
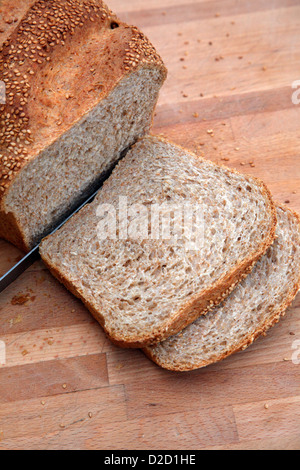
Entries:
{"x":64,"y":386}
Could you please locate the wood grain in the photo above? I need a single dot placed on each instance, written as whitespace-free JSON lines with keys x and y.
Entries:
{"x":64,"y":385}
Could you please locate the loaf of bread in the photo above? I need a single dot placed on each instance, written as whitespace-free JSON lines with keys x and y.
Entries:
{"x":81,"y":87}
{"x":255,"y":306}
{"x":143,"y":286}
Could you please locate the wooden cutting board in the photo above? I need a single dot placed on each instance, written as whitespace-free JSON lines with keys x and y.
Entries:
{"x":231,"y":66}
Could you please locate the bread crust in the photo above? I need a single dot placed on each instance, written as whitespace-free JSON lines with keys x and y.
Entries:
{"x":274,"y":318}
{"x":79,"y":45}
{"x":201,"y":303}
{"x":12,"y":12}
{"x":11,"y":231}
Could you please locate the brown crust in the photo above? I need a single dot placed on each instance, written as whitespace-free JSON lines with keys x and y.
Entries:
{"x":12,"y":12}
{"x":38,"y":52}
{"x":199,"y":304}
{"x":275,"y":317}
{"x":11,"y":231}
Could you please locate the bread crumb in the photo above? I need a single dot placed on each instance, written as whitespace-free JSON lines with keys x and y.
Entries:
{"x":20,"y":299}
{"x":17,"y":320}
{"x":64,"y":386}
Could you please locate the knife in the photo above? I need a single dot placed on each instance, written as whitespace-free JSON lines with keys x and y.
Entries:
{"x":34,"y":255}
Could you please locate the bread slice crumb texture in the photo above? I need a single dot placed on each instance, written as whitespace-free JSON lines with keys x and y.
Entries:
{"x":254,"y":306}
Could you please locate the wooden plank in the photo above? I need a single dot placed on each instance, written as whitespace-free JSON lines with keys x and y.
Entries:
{"x":53,"y":343}
{"x":281,"y":418}
{"x":43,"y":424}
{"x":191,"y":431}
{"x":204,"y":10}
{"x":207,"y":388}
{"x":37,"y":301}
{"x":51,"y":378}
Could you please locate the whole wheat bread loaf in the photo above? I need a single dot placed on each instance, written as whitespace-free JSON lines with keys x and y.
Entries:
{"x":143,"y":289}
{"x":81,"y":87}
{"x":253,"y":307}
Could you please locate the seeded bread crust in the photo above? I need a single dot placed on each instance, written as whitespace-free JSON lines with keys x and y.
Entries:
{"x":199,"y":304}
{"x":35,"y":115}
{"x":275,"y":316}
{"x":12,"y":11}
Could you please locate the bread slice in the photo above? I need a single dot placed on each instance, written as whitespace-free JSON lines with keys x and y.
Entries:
{"x":141,"y":287}
{"x":254,"y":307}
{"x":81,"y":87}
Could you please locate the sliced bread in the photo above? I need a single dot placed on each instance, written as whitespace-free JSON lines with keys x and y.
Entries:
{"x":12,"y":11}
{"x":141,"y":287}
{"x":81,"y":87}
{"x":254,"y":306}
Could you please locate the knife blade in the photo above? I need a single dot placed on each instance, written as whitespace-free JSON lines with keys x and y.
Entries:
{"x":34,"y":255}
